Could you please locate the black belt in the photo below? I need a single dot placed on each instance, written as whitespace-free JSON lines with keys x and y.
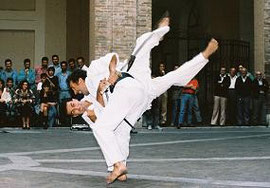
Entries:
{"x":122,"y":76}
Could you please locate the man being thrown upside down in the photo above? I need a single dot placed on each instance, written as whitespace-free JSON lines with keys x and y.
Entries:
{"x":132,"y":92}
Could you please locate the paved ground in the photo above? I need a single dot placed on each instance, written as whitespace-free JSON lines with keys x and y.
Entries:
{"x":195,"y":157}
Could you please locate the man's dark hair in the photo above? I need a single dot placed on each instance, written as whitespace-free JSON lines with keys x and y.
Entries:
{"x":8,"y":79}
{"x":63,"y":62}
{"x":45,"y":84}
{"x":26,"y":61}
{"x":51,"y":68}
{"x":74,"y":77}
{"x":71,"y":60}
{"x":43,"y":75}
{"x":63,"y":108}
{"x":82,"y":58}
{"x":8,"y":60}
{"x":55,"y":56}
{"x":45,"y":59}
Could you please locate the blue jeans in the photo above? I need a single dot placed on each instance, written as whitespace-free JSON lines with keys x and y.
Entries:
{"x":52,"y":116}
{"x":196,"y":110}
{"x":64,"y":95}
{"x":187,"y":102}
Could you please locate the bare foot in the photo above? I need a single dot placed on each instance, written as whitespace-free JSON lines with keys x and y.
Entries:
{"x":119,"y":170}
{"x":164,"y":22}
{"x":122,"y":178}
{"x":210,"y":49}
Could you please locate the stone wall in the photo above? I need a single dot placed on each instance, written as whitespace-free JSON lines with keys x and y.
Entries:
{"x":117,"y":24}
{"x":267,"y":38}
{"x":267,"y":46}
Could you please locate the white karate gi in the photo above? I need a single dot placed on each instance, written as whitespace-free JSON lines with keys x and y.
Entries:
{"x":132,"y":97}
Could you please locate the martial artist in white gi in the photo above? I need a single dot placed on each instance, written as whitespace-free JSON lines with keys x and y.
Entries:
{"x":132,"y":96}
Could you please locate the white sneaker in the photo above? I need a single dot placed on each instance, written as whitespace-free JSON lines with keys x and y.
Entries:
{"x":149,"y":127}
{"x":159,"y":128}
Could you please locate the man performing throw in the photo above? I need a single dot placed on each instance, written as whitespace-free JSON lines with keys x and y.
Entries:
{"x":131,"y":96}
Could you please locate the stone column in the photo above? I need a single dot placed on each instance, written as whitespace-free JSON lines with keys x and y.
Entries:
{"x":115,"y":25}
{"x":267,"y":38}
{"x":262,"y":40}
{"x":259,"y":35}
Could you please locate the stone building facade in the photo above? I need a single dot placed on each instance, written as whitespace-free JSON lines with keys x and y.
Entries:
{"x":115,"y":25}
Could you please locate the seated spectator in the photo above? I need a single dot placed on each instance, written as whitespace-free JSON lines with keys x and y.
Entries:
{"x":3,"y":102}
{"x":10,"y":105}
{"x":47,"y":101}
{"x":43,"y":79}
{"x":54,"y":87}
{"x":53,"y":80}
{"x":24,"y":99}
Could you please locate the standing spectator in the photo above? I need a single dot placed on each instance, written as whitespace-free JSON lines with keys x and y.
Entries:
{"x":243,"y":88}
{"x":162,"y":99}
{"x":47,"y":103}
{"x":63,"y":89}
{"x":81,"y":63}
{"x":24,"y":99}
{"x":151,"y":118}
{"x":232,"y":98}
{"x":62,"y":80}
{"x":176,"y":101}
{"x":71,"y":65}
{"x":41,"y":69}
{"x":9,"y":72}
{"x":222,"y":83}
{"x":187,"y":101}
{"x":240,"y":68}
{"x":260,"y":86}
{"x":10,"y":105}
{"x":196,"y":108}
{"x":56,"y":65}
{"x":27,"y":74}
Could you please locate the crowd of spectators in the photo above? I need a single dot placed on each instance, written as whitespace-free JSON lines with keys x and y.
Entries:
{"x":38,"y":92}
{"x":239,"y":99}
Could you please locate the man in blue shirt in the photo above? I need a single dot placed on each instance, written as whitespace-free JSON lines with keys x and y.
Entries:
{"x":64,"y":91}
{"x":55,"y":64}
{"x":27,"y":74}
{"x":9,"y":72}
{"x":62,"y":80}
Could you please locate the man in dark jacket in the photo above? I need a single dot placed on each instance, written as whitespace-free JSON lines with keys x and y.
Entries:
{"x":260,"y":89}
{"x":220,"y":98}
{"x":243,"y":88}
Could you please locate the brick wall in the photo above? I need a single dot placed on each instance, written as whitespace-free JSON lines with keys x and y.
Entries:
{"x":267,"y":44}
{"x":117,"y":24}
